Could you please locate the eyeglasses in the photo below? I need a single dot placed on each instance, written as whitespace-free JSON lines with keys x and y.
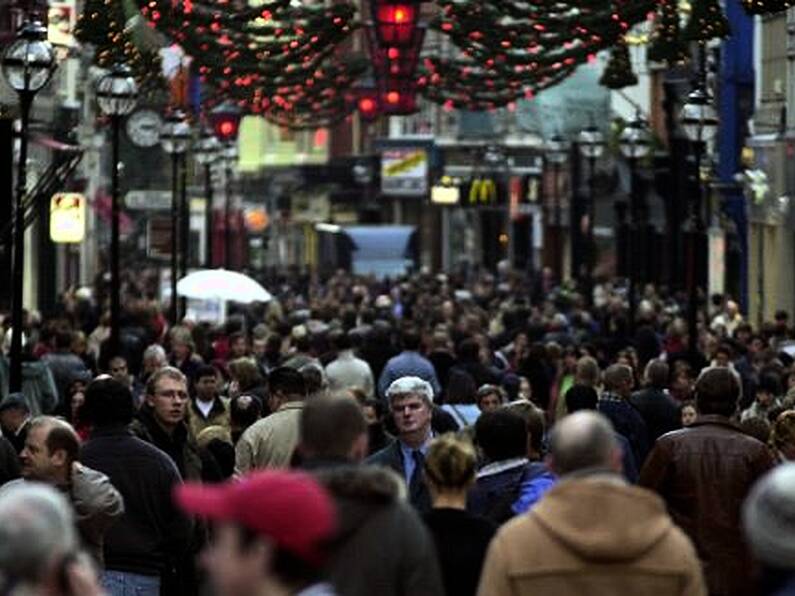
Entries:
{"x":173,"y":394}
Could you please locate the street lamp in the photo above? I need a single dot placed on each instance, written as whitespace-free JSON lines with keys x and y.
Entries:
{"x":230,"y":161}
{"x":27,"y":65}
{"x":592,"y":146}
{"x":557,"y":154}
{"x":635,"y":144}
{"x":207,"y":151}
{"x":175,"y":137}
{"x":699,"y":120}
{"x":116,"y":95}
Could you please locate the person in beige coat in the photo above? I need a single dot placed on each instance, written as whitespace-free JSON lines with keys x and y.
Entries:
{"x":592,"y":533}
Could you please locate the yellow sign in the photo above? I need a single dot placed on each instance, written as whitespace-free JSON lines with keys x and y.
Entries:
{"x":67,"y":217}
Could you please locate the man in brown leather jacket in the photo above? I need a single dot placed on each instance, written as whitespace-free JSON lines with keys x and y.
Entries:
{"x":704,"y":473}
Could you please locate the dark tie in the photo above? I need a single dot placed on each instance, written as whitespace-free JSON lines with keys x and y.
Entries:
{"x":416,"y":476}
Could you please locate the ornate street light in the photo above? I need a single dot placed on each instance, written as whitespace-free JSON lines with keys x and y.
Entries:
{"x":700,"y":123}
{"x":699,"y":118}
{"x":207,"y":151}
{"x":592,"y":145}
{"x":175,"y":138}
{"x":635,"y":144}
{"x":117,"y":94}
{"x":27,"y":66}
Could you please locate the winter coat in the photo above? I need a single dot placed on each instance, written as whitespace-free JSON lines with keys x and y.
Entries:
{"x":704,"y":474}
{"x":152,"y":532}
{"x":382,"y":545}
{"x":271,"y":441}
{"x":500,"y":486}
{"x":218,"y":416}
{"x":659,"y":411}
{"x":179,"y":446}
{"x":592,"y":535}
{"x":96,"y":503}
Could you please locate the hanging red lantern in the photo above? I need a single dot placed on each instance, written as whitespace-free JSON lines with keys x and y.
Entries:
{"x":225,"y":120}
{"x":395,"y":22}
{"x":397,"y":62}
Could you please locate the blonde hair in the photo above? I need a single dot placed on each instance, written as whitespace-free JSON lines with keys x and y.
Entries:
{"x":451,"y":462}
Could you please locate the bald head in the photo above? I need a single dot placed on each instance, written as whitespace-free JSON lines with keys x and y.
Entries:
{"x":583,"y":440}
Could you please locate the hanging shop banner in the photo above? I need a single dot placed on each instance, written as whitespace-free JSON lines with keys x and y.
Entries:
{"x":717,"y":261}
{"x":61,"y":20}
{"x":404,"y":172}
{"x":67,"y":217}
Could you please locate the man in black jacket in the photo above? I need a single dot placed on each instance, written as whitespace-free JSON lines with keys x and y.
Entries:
{"x":658,"y":409}
{"x":151,"y":533}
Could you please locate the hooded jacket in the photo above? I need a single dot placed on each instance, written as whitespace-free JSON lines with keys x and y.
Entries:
{"x":592,"y":535}
{"x":382,"y":546}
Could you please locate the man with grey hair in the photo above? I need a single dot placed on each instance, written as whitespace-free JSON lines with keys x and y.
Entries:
{"x":411,"y":403}
{"x":153,"y":359}
{"x":39,"y":551}
{"x":560,"y":547}
{"x":614,"y":404}
{"x":769,"y":523}
{"x":658,"y":409}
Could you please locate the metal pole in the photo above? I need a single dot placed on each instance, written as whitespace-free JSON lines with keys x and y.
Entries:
{"x":184,"y":234}
{"x":15,"y":376}
{"x":174,"y":237}
{"x":115,"y":281}
{"x":692,"y":266}
{"x":228,"y":219}
{"x":590,"y":251}
{"x":760,"y":276}
{"x":208,"y":215}
{"x":558,"y":229}
{"x":631,"y":247}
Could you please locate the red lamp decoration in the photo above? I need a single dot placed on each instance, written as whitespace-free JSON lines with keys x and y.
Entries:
{"x":395,"y":61}
{"x":395,"y":22}
{"x":225,"y":120}
{"x":367,"y":103}
{"x":398,"y":96}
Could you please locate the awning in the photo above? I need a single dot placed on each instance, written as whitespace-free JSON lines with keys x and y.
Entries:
{"x":381,"y":250}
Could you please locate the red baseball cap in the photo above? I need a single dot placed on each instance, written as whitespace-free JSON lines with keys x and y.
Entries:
{"x":291,"y":508}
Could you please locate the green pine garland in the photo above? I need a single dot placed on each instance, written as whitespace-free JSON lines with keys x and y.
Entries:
{"x":667,"y":44}
{"x":103,"y":25}
{"x":707,"y":22}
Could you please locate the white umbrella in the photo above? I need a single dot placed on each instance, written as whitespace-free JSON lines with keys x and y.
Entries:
{"x":220,"y":284}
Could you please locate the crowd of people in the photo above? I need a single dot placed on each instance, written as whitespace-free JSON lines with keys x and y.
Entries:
{"x":426,"y":436}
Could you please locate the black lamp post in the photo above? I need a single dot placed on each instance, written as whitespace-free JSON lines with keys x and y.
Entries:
{"x":230,"y":162}
{"x":557,"y":154}
{"x":116,"y":95}
{"x":207,"y":152}
{"x":592,"y":146}
{"x":635,"y":144}
{"x":175,"y":137}
{"x":27,"y":66}
{"x":700,"y":123}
